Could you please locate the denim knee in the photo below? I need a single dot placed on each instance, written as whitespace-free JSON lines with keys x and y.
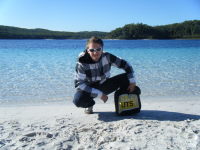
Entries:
{"x":83,"y":99}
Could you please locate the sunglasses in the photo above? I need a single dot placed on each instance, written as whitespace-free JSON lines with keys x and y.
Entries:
{"x":95,"y":50}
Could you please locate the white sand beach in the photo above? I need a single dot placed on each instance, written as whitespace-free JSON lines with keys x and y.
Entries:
{"x":161,"y":124}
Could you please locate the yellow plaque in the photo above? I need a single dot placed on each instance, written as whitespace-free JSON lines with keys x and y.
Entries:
{"x":128,"y":102}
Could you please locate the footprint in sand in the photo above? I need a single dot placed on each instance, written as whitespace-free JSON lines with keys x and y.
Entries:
{"x":33,"y":134}
{"x":2,"y":144}
{"x":88,"y":130}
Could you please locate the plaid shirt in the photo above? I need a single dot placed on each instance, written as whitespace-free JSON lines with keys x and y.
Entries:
{"x":88,"y":71}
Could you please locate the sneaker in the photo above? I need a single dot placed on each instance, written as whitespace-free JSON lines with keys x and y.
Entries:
{"x":89,"y":110}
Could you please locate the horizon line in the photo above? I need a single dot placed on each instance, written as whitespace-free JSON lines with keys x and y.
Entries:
{"x":96,"y":30}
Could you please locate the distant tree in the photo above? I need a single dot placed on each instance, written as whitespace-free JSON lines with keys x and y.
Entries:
{"x":187,"y":29}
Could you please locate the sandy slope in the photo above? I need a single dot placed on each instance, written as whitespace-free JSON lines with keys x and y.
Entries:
{"x":166,"y":124}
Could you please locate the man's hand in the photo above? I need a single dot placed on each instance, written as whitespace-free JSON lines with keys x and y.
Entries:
{"x":104,"y":98}
{"x":131,"y":87}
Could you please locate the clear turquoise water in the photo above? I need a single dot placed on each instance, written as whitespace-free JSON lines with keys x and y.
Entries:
{"x":43,"y":70}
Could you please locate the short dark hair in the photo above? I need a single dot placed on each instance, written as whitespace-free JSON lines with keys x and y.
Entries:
{"x":94,"y":39}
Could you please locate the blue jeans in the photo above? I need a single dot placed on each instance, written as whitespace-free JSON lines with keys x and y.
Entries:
{"x":84,"y":100}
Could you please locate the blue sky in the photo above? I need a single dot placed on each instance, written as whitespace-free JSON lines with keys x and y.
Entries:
{"x":95,"y":15}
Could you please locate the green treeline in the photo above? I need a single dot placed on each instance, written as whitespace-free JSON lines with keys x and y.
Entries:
{"x":184,"y":30}
{"x":7,"y":32}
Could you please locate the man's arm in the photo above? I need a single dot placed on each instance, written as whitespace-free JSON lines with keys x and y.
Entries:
{"x":81,"y":82}
{"x":120,"y":63}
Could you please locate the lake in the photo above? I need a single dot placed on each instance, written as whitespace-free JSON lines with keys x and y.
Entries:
{"x":42,"y":71}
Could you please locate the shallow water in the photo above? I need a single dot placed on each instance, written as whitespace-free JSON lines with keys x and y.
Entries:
{"x":43,"y":70}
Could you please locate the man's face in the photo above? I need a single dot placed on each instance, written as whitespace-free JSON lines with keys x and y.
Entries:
{"x":95,"y":54}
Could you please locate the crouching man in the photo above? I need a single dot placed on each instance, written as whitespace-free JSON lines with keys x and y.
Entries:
{"x":93,"y":75}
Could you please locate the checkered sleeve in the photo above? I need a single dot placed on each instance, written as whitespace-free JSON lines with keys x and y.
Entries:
{"x":82,"y":83}
{"x":120,"y":63}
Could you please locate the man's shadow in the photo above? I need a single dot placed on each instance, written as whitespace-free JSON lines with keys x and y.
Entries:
{"x":148,"y":115}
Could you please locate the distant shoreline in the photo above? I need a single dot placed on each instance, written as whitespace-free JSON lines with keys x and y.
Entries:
{"x":183,"y":30}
